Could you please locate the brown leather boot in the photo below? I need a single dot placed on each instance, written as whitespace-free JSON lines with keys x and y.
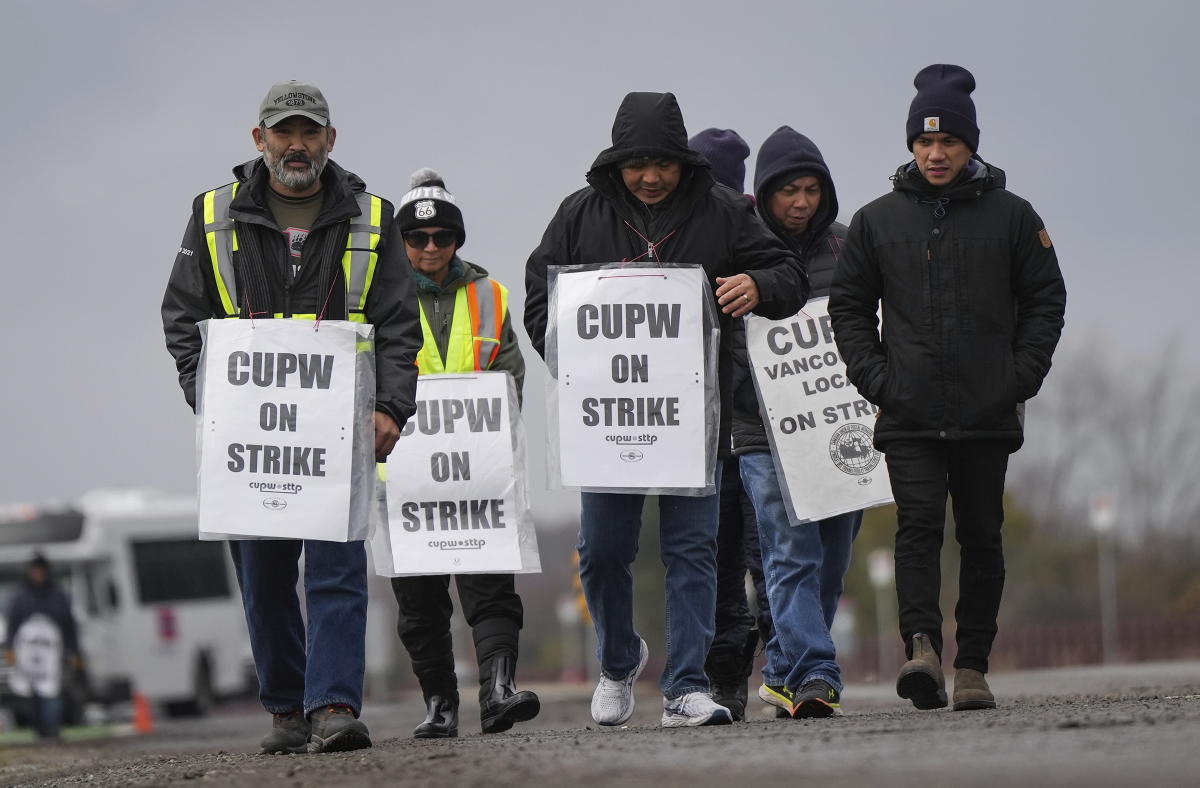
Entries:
{"x":971,"y":691}
{"x":921,"y":679}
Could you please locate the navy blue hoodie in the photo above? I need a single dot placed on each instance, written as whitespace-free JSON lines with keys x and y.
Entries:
{"x":785,"y":155}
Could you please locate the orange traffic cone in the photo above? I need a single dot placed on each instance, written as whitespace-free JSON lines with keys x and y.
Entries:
{"x":143,"y":715}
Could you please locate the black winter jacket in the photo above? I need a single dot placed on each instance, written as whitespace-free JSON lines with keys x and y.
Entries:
{"x":973,"y":304}
{"x":48,"y":600}
{"x":701,"y":222}
{"x":191,"y":294}
{"x":785,"y":155}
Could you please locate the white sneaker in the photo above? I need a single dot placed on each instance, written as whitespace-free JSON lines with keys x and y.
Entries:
{"x":612,"y":702}
{"x":692,"y":709}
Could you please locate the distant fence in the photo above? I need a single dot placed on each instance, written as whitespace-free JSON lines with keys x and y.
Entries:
{"x":1046,"y":646}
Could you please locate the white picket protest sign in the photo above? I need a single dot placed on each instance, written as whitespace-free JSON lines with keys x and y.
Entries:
{"x":38,"y":658}
{"x":633,"y":401}
{"x":285,"y":430}
{"x":457,"y":501}
{"x":819,"y":426}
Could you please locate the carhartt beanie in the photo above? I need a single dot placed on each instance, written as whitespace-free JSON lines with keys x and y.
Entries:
{"x":943,"y":103}
{"x":430,"y":204}
{"x":726,"y":151}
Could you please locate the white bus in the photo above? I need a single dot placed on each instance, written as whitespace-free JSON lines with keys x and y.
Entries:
{"x":158,"y":611}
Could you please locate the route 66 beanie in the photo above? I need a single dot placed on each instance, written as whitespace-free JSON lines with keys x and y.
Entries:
{"x":726,"y":151}
{"x":943,"y":103}
{"x":429,"y":204}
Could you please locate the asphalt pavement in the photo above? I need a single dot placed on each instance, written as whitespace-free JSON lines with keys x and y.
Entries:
{"x":1092,"y":726}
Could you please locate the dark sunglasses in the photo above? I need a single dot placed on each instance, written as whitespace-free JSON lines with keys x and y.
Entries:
{"x":419,"y":239}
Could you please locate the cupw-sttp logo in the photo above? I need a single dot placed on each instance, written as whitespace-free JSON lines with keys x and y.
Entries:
{"x":852,"y":450}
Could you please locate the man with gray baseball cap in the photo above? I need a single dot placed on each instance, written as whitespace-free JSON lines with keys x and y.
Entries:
{"x":272,"y":244}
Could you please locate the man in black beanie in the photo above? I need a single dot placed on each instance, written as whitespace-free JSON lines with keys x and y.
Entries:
{"x":973,"y":304}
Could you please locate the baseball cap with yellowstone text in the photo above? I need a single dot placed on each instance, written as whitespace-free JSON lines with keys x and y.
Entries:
{"x":286,"y":99}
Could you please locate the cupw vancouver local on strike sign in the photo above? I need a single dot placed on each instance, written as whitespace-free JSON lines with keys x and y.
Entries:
{"x":820,"y":427}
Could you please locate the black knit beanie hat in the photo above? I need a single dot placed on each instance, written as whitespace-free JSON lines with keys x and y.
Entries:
{"x":726,"y":151}
{"x":429,"y":204}
{"x":943,"y":103}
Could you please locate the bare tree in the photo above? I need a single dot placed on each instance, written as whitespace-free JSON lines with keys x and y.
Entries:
{"x":1123,"y":427}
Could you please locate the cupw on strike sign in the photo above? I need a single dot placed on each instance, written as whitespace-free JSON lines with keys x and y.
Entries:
{"x":285,"y":425}
{"x":455,"y":484}
{"x":632,"y":387}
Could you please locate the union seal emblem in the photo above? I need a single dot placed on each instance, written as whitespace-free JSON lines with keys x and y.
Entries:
{"x":852,"y":451}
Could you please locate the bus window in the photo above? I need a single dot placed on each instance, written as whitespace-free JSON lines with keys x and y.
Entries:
{"x":180,"y":570}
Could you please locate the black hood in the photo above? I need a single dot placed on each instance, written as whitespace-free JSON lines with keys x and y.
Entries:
{"x":648,"y":124}
{"x":651,"y":125}
{"x":786,"y":155}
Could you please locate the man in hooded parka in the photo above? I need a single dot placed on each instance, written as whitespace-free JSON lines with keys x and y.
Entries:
{"x":805,"y":564}
{"x":650,"y":197}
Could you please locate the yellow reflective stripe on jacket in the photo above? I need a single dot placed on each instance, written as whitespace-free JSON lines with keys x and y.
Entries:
{"x":222,"y":243}
{"x":474,"y":343}
{"x":358,"y":261}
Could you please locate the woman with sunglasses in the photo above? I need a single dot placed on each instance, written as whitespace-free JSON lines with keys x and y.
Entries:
{"x":466,"y":326}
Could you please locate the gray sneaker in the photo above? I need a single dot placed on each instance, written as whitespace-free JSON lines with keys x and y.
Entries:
{"x":612,"y":702}
{"x":289,"y":734}
{"x":336,"y":729}
{"x":693,"y":709}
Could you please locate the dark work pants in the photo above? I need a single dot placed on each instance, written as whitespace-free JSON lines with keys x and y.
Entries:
{"x":737,"y":551}
{"x":492,"y":610}
{"x":972,"y":472}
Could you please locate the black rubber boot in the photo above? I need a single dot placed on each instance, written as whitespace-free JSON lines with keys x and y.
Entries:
{"x":500,"y":704}
{"x":441,"y":721}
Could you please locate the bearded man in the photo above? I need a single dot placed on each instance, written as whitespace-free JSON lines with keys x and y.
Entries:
{"x":272,"y":245}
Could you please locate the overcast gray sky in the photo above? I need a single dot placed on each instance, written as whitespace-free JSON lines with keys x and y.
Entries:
{"x":117,"y":113}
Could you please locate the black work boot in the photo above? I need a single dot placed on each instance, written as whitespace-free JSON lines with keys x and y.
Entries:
{"x":729,"y":677}
{"x":289,"y":734}
{"x":441,"y":721}
{"x":921,"y":679}
{"x":500,"y":704}
{"x":336,"y":729}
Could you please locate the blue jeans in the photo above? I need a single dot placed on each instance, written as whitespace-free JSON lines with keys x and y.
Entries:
{"x":47,"y":712}
{"x":330,"y":670}
{"x":608,"y":544}
{"x":804,"y":567}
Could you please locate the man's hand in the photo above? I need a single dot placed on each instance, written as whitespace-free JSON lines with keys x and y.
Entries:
{"x":9,"y":657}
{"x":386,"y":435}
{"x":737,"y":294}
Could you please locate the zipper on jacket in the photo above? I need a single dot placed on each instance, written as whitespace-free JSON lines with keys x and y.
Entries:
{"x":289,"y":279}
